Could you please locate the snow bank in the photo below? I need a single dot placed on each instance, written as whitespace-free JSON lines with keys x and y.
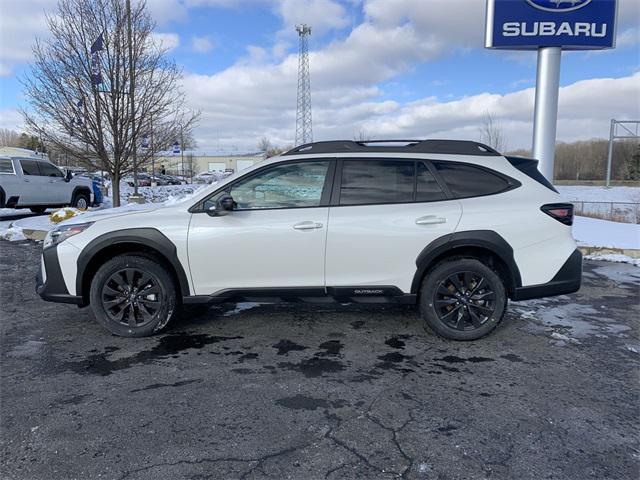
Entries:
{"x":592,"y":232}
{"x":614,"y":257}
{"x":580,"y":193}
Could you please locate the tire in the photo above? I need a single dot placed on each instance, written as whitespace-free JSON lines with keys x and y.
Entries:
{"x":37,"y":209}
{"x":133,"y":316}
{"x":80,"y":201}
{"x":467,"y":309}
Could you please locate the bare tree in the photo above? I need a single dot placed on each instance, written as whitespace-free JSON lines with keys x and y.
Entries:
{"x":492,"y":133}
{"x":264,"y":144}
{"x":362,"y":135}
{"x":97,"y":120}
{"x":9,"y":138}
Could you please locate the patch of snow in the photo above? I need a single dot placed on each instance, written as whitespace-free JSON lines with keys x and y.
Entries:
{"x":592,"y":232}
{"x":240,"y":307}
{"x":614,"y":257}
{"x":8,"y":232}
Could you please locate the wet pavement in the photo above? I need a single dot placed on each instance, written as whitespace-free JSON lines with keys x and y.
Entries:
{"x":312,"y":392}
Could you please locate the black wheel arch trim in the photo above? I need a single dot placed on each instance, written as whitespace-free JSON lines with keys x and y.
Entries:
{"x":146,"y":237}
{"x":567,"y":280}
{"x":80,"y":189}
{"x":448,"y":244}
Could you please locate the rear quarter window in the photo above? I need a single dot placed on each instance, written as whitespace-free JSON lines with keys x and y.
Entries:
{"x":6,"y":166}
{"x":465,"y":180}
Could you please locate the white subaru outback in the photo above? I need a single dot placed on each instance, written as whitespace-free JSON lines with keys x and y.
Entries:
{"x":453,"y":226}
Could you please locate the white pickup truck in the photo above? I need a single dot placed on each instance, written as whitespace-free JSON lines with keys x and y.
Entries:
{"x":29,"y":180}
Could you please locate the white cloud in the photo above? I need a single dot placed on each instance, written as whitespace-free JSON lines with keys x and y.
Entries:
{"x":11,"y":118}
{"x":241,"y":106}
{"x":201,"y":44}
{"x":20,"y":23}
{"x":165,"y":11}
{"x":322,"y":15}
{"x":168,"y":41}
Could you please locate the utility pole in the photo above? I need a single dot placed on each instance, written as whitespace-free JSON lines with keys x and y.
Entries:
{"x":304,"y":130}
{"x":132,"y":72}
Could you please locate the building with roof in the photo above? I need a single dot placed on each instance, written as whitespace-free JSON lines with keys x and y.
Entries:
{"x":198,"y":161}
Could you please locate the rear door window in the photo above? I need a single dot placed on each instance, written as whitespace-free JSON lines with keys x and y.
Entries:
{"x":6,"y":166}
{"x":377,"y":181}
{"x":427,"y":188}
{"x":465,"y":180}
{"x":30,"y":167}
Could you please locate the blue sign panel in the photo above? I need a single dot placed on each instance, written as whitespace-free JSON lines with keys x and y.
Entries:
{"x":570,"y":24}
{"x":176,"y":147}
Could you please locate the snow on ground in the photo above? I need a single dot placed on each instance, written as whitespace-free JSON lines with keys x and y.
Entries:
{"x":159,"y":194}
{"x":582,"y":193}
{"x":592,"y":232}
{"x":614,"y":257}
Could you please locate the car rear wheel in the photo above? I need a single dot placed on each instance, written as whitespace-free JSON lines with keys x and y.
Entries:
{"x":462,"y":299}
{"x":80,"y":201}
{"x":133,"y":296}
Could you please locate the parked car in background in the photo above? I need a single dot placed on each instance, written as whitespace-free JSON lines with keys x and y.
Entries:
{"x":30,"y":180}
{"x":453,"y":227}
{"x":144,"y":180}
{"x":210,"y":177}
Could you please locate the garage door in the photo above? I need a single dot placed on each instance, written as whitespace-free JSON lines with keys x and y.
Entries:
{"x":242,"y":164}
{"x":217,"y":166}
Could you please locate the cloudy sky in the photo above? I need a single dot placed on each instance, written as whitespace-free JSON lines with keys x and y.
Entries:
{"x":393,"y":68}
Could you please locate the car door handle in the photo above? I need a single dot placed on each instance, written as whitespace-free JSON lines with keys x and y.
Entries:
{"x":307,"y":225}
{"x":430,"y":220}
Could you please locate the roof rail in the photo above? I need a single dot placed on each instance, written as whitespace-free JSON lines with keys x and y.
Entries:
{"x":455,"y":147}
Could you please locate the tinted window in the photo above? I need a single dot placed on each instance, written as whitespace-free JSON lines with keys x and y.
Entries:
{"x":469,"y":181}
{"x":427,"y":189}
{"x":29,"y":167}
{"x":376,"y":181}
{"x":283,"y":186}
{"x":6,"y":166}
{"x":49,"y":170}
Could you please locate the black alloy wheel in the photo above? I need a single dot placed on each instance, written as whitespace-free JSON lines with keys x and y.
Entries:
{"x":462,"y":299}
{"x":465,"y":300}
{"x":132,"y":297}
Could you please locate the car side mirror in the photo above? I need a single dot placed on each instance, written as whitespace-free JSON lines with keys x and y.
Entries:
{"x":68,"y":176}
{"x":224,"y":206}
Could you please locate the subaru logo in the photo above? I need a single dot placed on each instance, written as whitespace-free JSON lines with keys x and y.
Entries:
{"x":558,"y":5}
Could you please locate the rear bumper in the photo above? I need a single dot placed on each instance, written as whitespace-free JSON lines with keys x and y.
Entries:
{"x":567,"y":280}
{"x":53,"y":289}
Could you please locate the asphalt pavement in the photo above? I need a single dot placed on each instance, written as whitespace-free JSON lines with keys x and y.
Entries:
{"x":303,"y":391}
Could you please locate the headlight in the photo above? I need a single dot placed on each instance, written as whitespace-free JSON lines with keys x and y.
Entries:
{"x":61,"y":233}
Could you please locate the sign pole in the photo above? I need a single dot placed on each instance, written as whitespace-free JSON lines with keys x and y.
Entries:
{"x":545,"y":118}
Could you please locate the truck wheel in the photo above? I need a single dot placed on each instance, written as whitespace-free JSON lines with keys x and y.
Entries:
{"x":80,"y":201}
{"x":37,"y":209}
{"x":462,"y":299}
{"x":133,"y":296}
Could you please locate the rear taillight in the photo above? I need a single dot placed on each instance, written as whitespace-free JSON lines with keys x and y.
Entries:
{"x":563,"y":212}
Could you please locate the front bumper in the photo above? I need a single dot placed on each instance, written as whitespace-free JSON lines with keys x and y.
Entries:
{"x":567,"y":280}
{"x":50,"y":284}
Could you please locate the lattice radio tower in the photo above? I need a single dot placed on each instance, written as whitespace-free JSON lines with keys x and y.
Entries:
{"x":304,"y":130}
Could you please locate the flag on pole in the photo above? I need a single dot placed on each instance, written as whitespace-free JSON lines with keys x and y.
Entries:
{"x":96,"y":48}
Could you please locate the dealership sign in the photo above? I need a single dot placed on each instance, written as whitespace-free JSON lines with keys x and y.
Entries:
{"x":570,"y":24}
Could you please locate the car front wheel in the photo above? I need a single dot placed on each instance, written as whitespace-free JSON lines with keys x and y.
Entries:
{"x":133,"y":296}
{"x":462,"y":299}
{"x":80,"y":201}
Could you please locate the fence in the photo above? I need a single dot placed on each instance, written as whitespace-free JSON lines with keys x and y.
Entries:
{"x":625,"y":212}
